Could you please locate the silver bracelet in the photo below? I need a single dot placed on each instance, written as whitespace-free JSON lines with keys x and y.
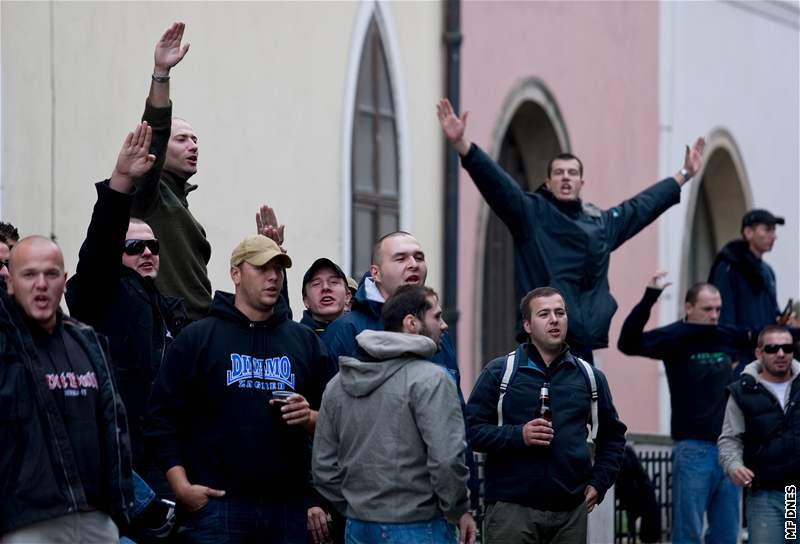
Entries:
{"x":161,"y":79}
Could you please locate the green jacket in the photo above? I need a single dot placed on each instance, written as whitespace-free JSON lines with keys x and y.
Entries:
{"x":160,"y":201}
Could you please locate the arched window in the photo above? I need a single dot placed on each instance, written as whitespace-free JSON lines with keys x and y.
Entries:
{"x":375,"y":165}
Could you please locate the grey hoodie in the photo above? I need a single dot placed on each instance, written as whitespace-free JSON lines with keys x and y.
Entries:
{"x":389,"y":443}
{"x":731,"y":446}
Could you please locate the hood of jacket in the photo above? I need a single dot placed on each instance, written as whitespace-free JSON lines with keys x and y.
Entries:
{"x":391,"y":351}
{"x":754,"y":369}
{"x":223,"y":307}
{"x":744,"y":261}
{"x":362,"y":301}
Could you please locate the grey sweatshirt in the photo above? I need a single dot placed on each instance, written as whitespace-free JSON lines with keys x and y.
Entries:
{"x":731,"y":446}
{"x":389,"y":442}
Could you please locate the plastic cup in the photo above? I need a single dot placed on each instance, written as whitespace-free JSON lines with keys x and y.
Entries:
{"x":282,"y":397}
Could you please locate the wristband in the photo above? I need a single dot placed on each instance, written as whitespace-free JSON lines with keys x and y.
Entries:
{"x":684,"y":172}
{"x":160,"y":79}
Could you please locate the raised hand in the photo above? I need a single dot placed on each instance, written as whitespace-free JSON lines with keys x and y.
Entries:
{"x":453,"y":126}
{"x":657,"y":281}
{"x":134,"y":159}
{"x":267,"y":225}
{"x":693,"y":161}
{"x":168,"y":49}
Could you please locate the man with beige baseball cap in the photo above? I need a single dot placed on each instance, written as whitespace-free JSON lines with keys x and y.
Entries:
{"x":216,"y":405}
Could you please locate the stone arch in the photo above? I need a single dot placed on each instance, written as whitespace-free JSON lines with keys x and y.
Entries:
{"x":529,"y":132}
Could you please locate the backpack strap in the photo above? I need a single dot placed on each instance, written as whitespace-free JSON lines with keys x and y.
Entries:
{"x":511,"y":361}
{"x":591,"y":426}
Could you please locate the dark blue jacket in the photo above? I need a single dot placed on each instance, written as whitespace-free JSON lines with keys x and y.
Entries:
{"x":340,"y":339}
{"x":567,"y":245}
{"x":747,"y":286}
{"x":550,"y":477}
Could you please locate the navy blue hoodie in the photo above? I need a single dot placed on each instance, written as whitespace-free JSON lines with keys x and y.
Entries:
{"x":210,"y":412}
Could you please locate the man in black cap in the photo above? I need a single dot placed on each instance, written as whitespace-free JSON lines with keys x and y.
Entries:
{"x":745,"y":281}
{"x":326,"y":294}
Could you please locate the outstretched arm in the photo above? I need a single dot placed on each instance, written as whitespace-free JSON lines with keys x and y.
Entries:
{"x":158,"y":113}
{"x":632,"y":338}
{"x":100,"y":258}
{"x":168,"y":53}
{"x":503,"y":194}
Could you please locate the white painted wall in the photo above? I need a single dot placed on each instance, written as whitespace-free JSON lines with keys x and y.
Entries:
{"x":264,"y":86}
{"x":736,"y":66}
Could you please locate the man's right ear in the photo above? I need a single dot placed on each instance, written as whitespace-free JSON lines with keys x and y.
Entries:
{"x":236,"y":275}
{"x":526,"y":326}
{"x":374,"y":271}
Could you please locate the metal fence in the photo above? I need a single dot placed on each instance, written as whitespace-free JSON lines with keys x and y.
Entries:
{"x":655,"y":454}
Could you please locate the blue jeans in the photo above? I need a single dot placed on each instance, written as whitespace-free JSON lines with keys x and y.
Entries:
{"x":435,"y":531}
{"x":143,"y":495}
{"x":764,"y":509}
{"x":230,"y":520}
{"x":699,"y":485}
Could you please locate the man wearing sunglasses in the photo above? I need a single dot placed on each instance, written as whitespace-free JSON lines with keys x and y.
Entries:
{"x":698,"y":356}
{"x":114,"y":290}
{"x":759,"y":445}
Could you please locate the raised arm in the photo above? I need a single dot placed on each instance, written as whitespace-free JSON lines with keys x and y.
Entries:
{"x":631,"y":216}
{"x":100,"y":259}
{"x":158,"y":111}
{"x":632,"y":338}
{"x":498,"y":188}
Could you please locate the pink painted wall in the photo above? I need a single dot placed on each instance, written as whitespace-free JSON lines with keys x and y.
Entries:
{"x":600,"y":62}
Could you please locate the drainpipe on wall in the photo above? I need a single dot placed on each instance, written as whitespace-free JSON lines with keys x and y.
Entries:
{"x":452,"y":40}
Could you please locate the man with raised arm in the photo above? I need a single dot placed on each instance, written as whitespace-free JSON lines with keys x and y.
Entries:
{"x":698,"y":355}
{"x":114,"y":290}
{"x":161,"y":196}
{"x":559,"y":240}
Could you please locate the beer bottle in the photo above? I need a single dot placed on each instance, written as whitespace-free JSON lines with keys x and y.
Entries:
{"x":544,"y":410}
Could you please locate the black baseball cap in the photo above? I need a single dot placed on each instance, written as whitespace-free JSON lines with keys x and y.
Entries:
{"x":760,"y":217}
{"x":322,"y":262}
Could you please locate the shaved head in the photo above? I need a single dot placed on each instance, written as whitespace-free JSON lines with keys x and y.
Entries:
{"x":37,"y":279}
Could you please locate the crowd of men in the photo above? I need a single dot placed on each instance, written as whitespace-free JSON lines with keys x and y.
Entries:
{"x":156,"y":413}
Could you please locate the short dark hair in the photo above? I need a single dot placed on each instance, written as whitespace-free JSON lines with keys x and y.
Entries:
{"x":376,"y":249}
{"x":770,"y":329}
{"x":694,"y":291}
{"x":408,"y":300}
{"x":9,"y":232}
{"x":539,"y":292}
{"x":564,"y":157}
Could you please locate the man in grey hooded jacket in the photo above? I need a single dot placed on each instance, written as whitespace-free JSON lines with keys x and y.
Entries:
{"x":389,"y":443}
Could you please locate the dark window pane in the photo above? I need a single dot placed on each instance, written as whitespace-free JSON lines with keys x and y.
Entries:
{"x":363,"y":153}
{"x":365,"y":72}
{"x":363,"y":238}
{"x":388,"y":222}
{"x":385,"y":102}
{"x":387,"y":142}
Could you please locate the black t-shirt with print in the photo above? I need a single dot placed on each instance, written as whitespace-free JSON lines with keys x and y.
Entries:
{"x":69,"y":375}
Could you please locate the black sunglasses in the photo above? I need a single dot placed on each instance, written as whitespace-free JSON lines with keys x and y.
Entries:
{"x":773,"y":348}
{"x":136,"y":247}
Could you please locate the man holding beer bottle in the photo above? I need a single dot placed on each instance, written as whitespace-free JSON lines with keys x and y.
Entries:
{"x":540,"y":480}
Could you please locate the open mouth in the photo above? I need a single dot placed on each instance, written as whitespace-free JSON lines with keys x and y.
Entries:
{"x":413,"y":279}
{"x":554,"y":332}
{"x":327,"y":301}
{"x":41,"y":301}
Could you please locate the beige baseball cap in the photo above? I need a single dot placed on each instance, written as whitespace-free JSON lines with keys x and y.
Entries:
{"x":258,"y":250}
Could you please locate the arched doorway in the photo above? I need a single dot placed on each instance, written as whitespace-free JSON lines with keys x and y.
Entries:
{"x":531,"y":135}
{"x":719,"y":199}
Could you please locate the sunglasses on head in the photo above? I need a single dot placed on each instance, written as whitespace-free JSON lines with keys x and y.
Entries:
{"x":773,"y":348}
{"x":136,"y":247}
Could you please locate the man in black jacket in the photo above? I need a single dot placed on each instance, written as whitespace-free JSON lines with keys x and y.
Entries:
{"x":113,"y":290}
{"x":698,"y":356}
{"x":540,"y":480}
{"x":236,"y":454}
{"x":559,"y":240}
{"x":65,"y":457}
